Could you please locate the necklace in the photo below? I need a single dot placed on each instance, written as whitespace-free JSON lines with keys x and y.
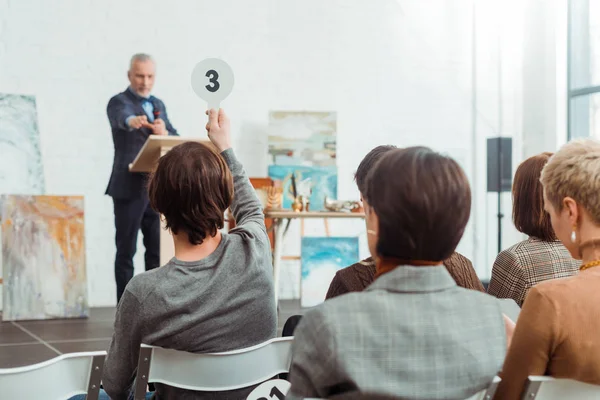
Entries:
{"x":589,"y":265}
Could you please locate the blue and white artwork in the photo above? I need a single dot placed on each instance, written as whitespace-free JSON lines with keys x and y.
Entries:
{"x":321,"y":258}
{"x":302,"y":138}
{"x":21,"y":170}
{"x":322,"y":182}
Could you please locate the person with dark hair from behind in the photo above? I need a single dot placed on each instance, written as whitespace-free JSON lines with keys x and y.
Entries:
{"x":357,"y":277}
{"x":360,"y":275}
{"x":216,"y":294}
{"x":413,"y":333}
{"x":542,"y":256}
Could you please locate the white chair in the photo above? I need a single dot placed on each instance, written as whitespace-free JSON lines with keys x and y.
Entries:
{"x":59,"y":378}
{"x":274,"y":389}
{"x":549,"y":388}
{"x":487,"y":394}
{"x":228,"y":370}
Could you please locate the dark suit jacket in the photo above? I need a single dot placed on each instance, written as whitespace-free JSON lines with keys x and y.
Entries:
{"x":127,"y":143}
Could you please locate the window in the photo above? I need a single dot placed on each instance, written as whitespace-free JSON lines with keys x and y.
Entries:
{"x":584,"y":68}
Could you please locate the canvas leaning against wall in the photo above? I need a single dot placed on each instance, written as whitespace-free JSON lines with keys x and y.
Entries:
{"x":43,"y":257}
{"x":21,"y":170}
{"x":302,"y":138}
{"x":323,"y":183}
{"x":321,"y":258}
{"x":303,"y":143}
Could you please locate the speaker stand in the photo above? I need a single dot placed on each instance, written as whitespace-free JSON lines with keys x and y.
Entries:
{"x":500,"y":216}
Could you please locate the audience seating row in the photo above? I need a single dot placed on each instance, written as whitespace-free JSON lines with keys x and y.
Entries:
{"x":81,"y":373}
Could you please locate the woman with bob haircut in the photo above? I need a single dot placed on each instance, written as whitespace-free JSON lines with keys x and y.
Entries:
{"x":542,"y":256}
{"x":413,"y":333}
{"x":216,"y":294}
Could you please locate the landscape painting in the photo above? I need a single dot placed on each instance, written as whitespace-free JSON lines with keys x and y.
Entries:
{"x":43,"y":257}
{"x":314,"y":182}
{"x":306,"y":138}
{"x":321,"y":258}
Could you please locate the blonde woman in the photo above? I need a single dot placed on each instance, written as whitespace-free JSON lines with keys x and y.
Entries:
{"x":557,"y":330}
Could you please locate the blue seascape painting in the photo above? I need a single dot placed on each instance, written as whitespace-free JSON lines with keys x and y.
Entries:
{"x":322,"y":181}
{"x":322,"y":257}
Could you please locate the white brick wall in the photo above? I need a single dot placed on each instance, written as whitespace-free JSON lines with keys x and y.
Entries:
{"x":396,"y":72}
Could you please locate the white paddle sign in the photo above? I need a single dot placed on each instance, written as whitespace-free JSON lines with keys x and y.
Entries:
{"x":212,"y":80}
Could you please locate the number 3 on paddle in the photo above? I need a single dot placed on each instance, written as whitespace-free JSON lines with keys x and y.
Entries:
{"x":212,"y":81}
{"x":213,"y":76}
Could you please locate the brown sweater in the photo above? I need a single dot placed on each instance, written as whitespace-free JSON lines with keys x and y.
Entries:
{"x":357,"y":277}
{"x":556,"y":335}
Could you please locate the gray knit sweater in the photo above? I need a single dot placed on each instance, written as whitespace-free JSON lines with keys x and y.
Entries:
{"x":222,"y":302}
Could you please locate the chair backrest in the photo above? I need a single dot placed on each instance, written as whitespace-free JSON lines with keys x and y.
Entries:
{"x":59,"y":378}
{"x":487,"y":394}
{"x":213,"y":371}
{"x":548,"y":388}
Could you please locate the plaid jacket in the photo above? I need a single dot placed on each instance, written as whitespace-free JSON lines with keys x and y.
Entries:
{"x":528,"y":263}
{"x":413,"y":333}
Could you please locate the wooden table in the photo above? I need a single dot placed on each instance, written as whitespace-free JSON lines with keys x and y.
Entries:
{"x":279,"y":216}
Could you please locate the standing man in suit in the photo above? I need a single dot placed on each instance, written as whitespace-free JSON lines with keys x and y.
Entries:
{"x":134,"y":115}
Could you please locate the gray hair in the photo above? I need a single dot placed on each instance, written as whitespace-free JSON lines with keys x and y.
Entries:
{"x":140,"y":57}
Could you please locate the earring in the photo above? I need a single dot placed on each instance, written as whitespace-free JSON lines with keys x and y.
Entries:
{"x":573,"y":236}
{"x":371,"y":232}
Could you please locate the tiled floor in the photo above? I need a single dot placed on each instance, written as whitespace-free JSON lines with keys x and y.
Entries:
{"x":30,"y":342}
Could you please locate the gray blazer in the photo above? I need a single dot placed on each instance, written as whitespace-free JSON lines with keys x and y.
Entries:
{"x":413,"y":334}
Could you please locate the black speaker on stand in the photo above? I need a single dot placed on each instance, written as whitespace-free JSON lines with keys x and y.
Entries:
{"x":499,"y":173}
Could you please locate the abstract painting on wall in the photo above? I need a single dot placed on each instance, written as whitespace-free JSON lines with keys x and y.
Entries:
{"x":43,"y":257}
{"x":321,"y":182}
{"x":302,"y":138}
{"x":322,"y":257}
{"x":21,"y":170}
